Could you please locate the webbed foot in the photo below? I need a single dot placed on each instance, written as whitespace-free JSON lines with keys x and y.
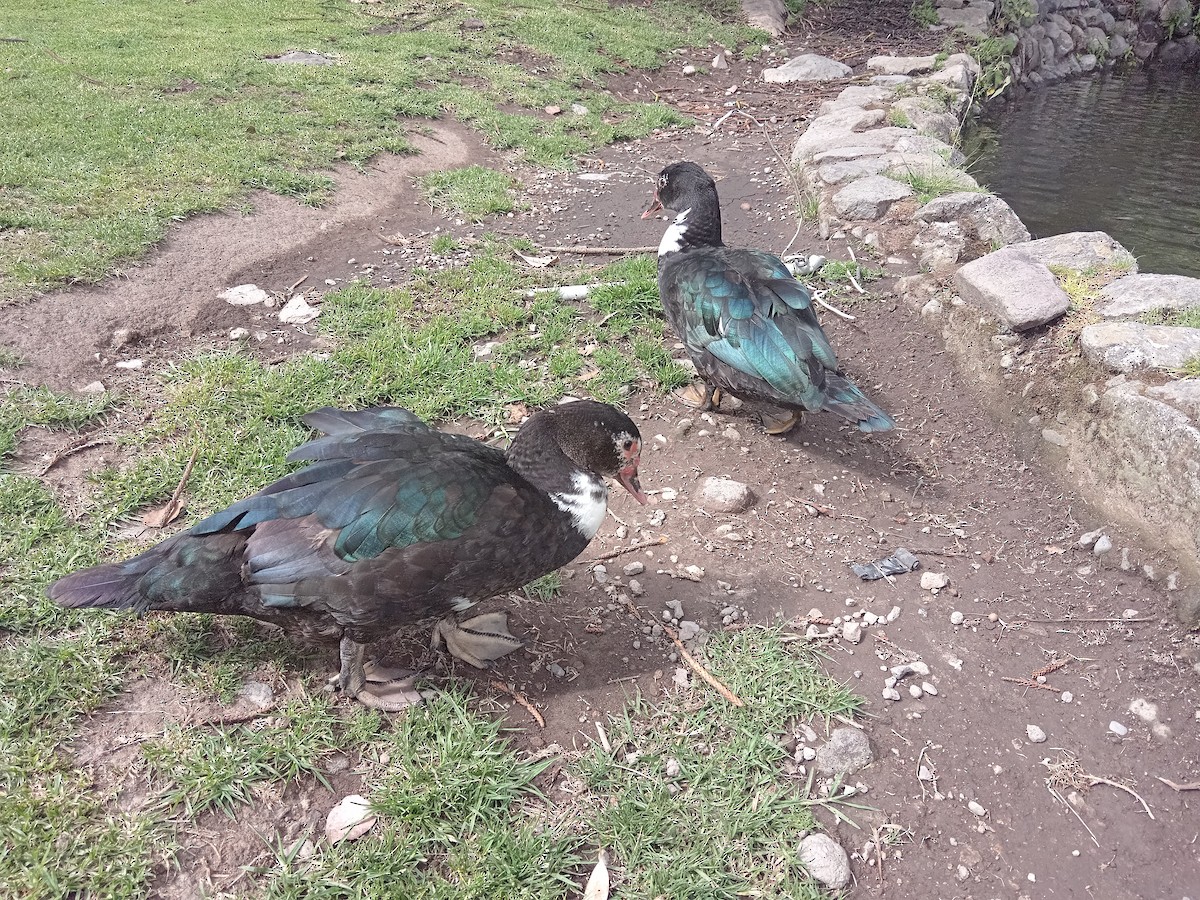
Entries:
{"x":389,"y":690}
{"x":779,"y":422}
{"x":699,"y":395}
{"x":478,"y":640}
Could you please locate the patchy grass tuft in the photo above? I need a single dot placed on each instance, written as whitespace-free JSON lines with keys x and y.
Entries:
{"x":474,"y":191}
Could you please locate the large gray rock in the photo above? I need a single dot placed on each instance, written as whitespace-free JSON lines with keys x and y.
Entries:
{"x":1127,"y":346}
{"x":1136,"y":294}
{"x":851,"y":169}
{"x":1082,"y":251}
{"x":839,"y":154}
{"x":863,"y":95}
{"x":870,"y":197}
{"x":1017,"y":290}
{"x":825,"y":860}
{"x":847,"y":751}
{"x":807,"y":67}
{"x":986,"y":214}
{"x":769,"y":15}
{"x":1150,"y":456}
{"x":940,"y":245}
{"x":724,"y":495}
{"x":970,"y":20}
{"x":926,"y":116}
{"x":823,"y":136}
{"x":901,"y":65}
{"x":1183,"y":394}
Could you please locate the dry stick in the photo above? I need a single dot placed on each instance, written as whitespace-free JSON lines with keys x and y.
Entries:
{"x":837,"y":312}
{"x":599,"y":251}
{"x":1069,"y":619}
{"x":69,"y":451}
{"x":299,"y":281}
{"x":1073,"y":810}
{"x":1027,"y":682}
{"x":233,"y":718}
{"x":1096,"y":779}
{"x":1193,"y":786}
{"x":172,"y":508}
{"x":700,"y":670}
{"x":1053,"y":666}
{"x":520,"y":698}
{"x":604,"y":742}
{"x":612,"y":554}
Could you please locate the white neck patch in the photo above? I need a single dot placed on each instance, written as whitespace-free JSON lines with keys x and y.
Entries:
{"x":672,"y":240}
{"x":587,"y":503}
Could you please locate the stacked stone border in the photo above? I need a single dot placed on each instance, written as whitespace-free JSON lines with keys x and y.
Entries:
{"x":1089,"y":373}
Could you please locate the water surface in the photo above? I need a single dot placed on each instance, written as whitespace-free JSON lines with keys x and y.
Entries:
{"x":1117,"y":153}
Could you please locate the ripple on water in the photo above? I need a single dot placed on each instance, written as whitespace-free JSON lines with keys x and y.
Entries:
{"x":1115,"y":153}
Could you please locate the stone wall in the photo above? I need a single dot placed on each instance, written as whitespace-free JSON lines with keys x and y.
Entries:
{"x":1092,"y":379}
{"x":1056,"y":39}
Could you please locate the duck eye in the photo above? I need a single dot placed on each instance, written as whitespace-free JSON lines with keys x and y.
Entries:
{"x":627,"y":446}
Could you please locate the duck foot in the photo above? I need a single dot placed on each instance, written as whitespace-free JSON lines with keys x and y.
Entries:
{"x":372,"y":685}
{"x":780,"y":422}
{"x":478,"y":640}
{"x":699,"y":396}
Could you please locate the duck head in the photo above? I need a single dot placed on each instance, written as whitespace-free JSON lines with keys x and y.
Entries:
{"x":597,"y":439}
{"x":680,"y":185}
{"x":687,"y":189}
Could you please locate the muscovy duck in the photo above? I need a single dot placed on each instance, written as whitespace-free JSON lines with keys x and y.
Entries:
{"x":747,"y":324}
{"x":391,"y":523}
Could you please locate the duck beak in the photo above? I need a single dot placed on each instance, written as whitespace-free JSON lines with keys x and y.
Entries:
{"x":630,"y":481}
{"x":656,"y":206}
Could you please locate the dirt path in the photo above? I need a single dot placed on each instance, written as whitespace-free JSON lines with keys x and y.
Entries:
{"x":960,"y":487}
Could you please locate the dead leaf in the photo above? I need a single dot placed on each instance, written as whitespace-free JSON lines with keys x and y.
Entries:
{"x":552,"y":110}
{"x":537,"y":262}
{"x":173,"y":508}
{"x":1051,"y":548}
{"x":590,"y":373}
{"x":517,"y":413}
{"x":597,"y":883}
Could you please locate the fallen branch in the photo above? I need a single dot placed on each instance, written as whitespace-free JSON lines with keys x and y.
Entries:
{"x":600,"y":251}
{"x":70,"y":450}
{"x":700,"y":670}
{"x":232,"y":718}
{"x":836,"y":311}
{"x":521,"y":699}
{"x":299,"y":281}
{"x":1028,"y":682}
{"x":1050,"y":667}
{"x":612,"y":554}
{"x":1072,"y":619}
{"x":1096,"y":779}
{"x":159,"y":518}
{"x":1193,"y":786}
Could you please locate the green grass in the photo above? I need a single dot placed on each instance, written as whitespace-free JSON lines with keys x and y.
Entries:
{"x":923,"y":12}
{"x":474,"y":191}
{"x":1186,"y":318}
{"x":119,"y":126}
{"x":1191,"y":368}
{"x":934,"y":183}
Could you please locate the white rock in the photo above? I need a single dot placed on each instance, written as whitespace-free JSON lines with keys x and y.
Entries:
{"x":914,"y":691}
{"x":239,"y":334}
{"x":94,"y":387}
{"x":297,"y":311}
{"x":976,"y":809}
{"x":893,"y":614}
{"x":258,"y":693}
{"x":931,"y":581}
{"x":688,"y":630}
{"x":671,"y":768}
{"x":825,"y":860}
{"x":1103,"y":545}
{"x":634,"y":568}
{"x":131,"y":364}
{"x":929,"y":688}
{"x":1035,"y":734}
{"x":349,"y":820}
{"x":1066,"y":696}
{"x":956,"y":618}
{"x":1090,"y":537}
{"x":890,"y":694}
{"x":852,"y":632}
{"x":724,"y":495}
{"x":1117,"y":728}
{"x":244,"y":295}
{"x":807,"y":67}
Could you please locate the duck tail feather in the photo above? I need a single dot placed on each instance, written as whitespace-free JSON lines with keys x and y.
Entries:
{"x":843,"y":397}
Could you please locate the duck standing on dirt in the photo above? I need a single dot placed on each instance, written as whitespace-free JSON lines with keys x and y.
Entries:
{"x":747,"y":324}
{"x":391,"y":523}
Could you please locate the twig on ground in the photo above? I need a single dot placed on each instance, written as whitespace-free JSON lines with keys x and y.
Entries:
{"x":1096,"y":779}
{"x":1075,"y":812}
{"x":1193,"y":786}
{"x":700,"y":670}
{"x":793,"y":240}
{"x":837,"y":312}
{"x":604,"y":742}
{"x":1029,"y":682}
{"x":299,"y":281}
{"x":70,"y":450}
{"x":1072,"y":619}
{"x":237,"y":718}
{"x":638,"y":545}
{"x":520,"y":698}
{"x":159,"y":518}
{"x":600,"y":251}
{"x":1053,"y":666}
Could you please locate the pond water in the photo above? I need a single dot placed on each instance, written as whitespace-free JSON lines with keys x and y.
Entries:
{"x":1117,"y":153}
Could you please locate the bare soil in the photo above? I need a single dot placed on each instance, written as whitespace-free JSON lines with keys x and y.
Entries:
{"x":958,"y":484}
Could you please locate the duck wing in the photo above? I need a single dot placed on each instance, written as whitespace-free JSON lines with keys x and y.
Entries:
{"x":748,"y":312}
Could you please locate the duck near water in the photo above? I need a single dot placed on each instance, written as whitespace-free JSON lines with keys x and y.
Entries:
{"x":747,"y":324}
{"x":391,"y":523}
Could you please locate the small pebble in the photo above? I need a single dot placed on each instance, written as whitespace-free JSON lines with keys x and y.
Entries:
{"x":1066,"y":696}
{"x":928,"y":688}
{"x":634,"y":568}
{"x":976,"y":809}
{"x":556,"y":670}
{"x":1036,"y":735}
{"x":956,"y":618}
{"x":1117,"y":728}
{"x":891,"y":694}
{"x":672,"y":768}
{"x":914,"y":691}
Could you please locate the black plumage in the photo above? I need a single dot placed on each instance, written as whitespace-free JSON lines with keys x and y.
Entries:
{"x":747,"y":323}
{"x":392,"y":522}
